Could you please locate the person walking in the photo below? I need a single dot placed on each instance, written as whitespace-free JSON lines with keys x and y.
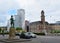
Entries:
{"x":3,"y":32}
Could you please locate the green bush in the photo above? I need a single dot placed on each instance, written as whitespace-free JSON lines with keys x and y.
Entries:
{"x":23,"y":32}
{"x":55,"y":31}
{"x":4,"y":33}
{"x":39,"y":33}
{"x":18,"y":28}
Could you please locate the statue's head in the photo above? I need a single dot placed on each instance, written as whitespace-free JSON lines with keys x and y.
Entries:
{"x":11,"y":15}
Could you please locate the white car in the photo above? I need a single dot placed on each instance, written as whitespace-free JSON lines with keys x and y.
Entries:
{"x":30,"y":34}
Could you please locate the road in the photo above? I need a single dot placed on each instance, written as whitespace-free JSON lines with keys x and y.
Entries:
{"x":39,"y":39}
{"x":49,"y":39}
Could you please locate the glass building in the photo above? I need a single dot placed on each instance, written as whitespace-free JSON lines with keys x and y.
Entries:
{"x":20,"y":18}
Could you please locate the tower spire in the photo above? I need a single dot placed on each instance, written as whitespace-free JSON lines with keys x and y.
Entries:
{"x":42,"y":17}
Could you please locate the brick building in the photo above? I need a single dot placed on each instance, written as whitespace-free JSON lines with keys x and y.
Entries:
{"x":40,"y":26}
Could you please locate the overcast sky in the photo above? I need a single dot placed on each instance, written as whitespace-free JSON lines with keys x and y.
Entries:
{"x":32,"y":10}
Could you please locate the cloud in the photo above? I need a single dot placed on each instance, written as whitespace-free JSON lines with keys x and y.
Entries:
{"x":32,"y":9}
{"x":7,"y":8}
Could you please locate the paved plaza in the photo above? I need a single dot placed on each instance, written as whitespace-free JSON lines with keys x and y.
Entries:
{"x":39,"y":39}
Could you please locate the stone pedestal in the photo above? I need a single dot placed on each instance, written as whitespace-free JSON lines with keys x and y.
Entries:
{"x":12,"y":33}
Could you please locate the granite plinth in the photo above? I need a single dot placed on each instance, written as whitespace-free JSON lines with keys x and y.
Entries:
{"x":12,"y":33}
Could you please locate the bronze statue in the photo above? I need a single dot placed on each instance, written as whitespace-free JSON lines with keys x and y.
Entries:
{"x":12,"y":21}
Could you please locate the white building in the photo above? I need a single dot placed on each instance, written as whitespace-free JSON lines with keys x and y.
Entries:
{"x":8,"y":25}
{"x":20,"y":18}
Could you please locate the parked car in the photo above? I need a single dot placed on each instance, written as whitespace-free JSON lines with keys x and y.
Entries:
{"x":31,"y":34}
{"x":23,"y":35}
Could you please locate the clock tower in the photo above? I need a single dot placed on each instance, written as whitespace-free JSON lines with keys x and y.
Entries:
{"x":42,"y":17}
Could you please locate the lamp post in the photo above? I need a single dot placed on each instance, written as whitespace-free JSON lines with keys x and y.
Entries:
{"x":44,"y":29}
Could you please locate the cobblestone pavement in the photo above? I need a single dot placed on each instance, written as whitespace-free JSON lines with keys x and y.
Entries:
{"x":39,"y":39}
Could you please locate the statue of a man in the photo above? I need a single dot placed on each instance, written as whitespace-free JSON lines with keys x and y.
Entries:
{"x":12,"y":21}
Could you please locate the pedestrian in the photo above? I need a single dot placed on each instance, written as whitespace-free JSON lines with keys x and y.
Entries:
{"x":3,"y":32}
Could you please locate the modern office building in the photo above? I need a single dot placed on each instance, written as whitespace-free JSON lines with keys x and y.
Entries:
{"x":20,"y":18}
{"x":8,"y":25}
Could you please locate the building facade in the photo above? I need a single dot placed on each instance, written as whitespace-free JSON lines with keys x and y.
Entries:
{"x":27,"y":28}
{"x":20,"y":18}
{"x":39,"y":26}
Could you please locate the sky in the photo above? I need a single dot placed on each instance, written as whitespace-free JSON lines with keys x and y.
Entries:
{"x":32,"y":10}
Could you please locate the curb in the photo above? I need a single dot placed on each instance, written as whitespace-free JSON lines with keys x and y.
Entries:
{"x":15,"y":40}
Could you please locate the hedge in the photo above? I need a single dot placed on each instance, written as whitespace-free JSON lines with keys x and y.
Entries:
{"x":18,"y":28}
{"x":4,"y":33}
{"x":39,"y":33}
{"x":55,"y":31}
